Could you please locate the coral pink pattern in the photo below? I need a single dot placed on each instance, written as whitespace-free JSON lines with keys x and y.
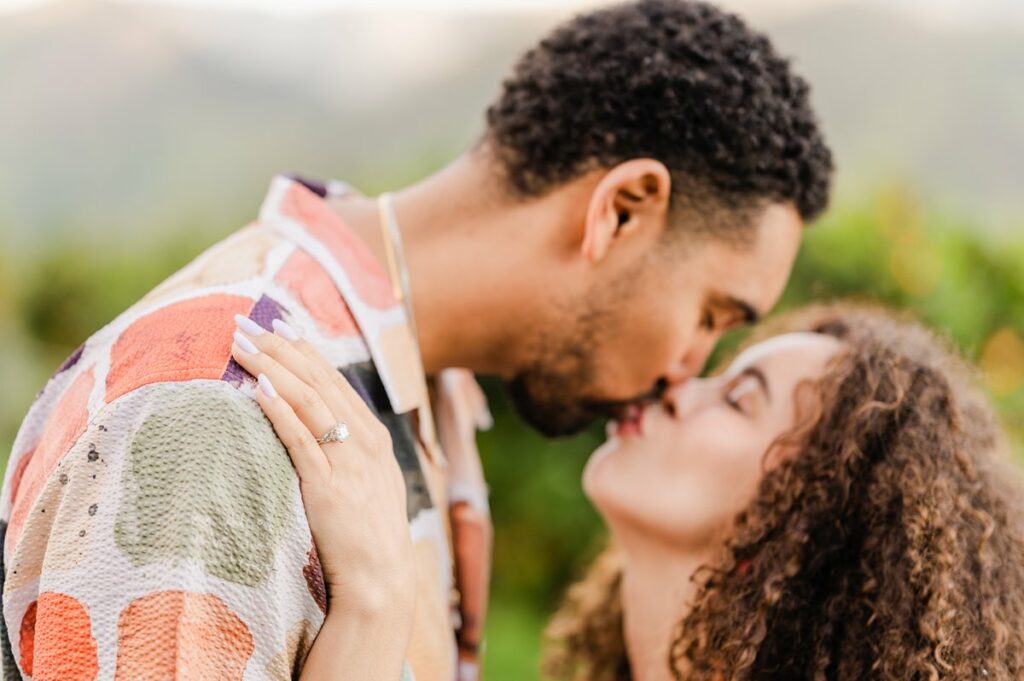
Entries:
{"x":57,"y":642}
{"x":181,"y":342}
{"x":352,"y":254}
{"x":64,"y":427}
{"x":28,"y":638}
{"x":165,"y":633}
{"x":318,"y":294}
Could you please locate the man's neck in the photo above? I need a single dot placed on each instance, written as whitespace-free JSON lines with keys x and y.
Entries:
{"x":472,"y":254}
{"x":657,"y":594}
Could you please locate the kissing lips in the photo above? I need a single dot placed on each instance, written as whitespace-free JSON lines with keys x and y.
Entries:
{"x":630,"y":421}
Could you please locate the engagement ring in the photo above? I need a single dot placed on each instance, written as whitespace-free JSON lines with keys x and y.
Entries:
{"x":339,"y":433}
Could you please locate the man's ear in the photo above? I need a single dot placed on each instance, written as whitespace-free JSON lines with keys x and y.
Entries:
{"x":631,"y":197}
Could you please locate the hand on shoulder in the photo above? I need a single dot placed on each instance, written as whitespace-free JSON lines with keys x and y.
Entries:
{"x":353,"y":490}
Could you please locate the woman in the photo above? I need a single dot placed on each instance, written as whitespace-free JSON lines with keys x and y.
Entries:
{"x":833,"y":506}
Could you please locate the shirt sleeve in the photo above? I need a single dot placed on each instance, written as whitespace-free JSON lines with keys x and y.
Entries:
{"x":169,"y":541}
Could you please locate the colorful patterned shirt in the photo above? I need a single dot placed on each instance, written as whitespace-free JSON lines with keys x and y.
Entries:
{"x":151,"y":521}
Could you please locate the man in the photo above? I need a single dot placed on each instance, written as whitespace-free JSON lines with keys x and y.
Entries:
{"x":640,"y":189}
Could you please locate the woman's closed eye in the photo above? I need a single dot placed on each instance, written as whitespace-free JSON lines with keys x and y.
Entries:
{"x":742,"y":392}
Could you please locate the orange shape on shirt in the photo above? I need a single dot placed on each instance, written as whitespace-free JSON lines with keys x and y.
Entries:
{"x":184,"y":341}
{"x":28,"y":637}
{"x":66,"y":424}
{"x":363,"y":270}
{"x":181,"y":635}
{"x":64,"y":649}
{"x":308,"y":282}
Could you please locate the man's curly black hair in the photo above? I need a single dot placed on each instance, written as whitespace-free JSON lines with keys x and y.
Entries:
{"x":682,"y":82}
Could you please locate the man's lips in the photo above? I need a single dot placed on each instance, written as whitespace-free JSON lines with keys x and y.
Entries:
{"x":626,"y":417}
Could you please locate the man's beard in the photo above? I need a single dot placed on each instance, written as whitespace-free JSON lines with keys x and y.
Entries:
{"x":555,"y":406}
{"x":554,"y":412}
{"x":555,"y":393}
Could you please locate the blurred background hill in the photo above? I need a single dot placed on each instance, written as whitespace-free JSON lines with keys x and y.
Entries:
{"x":135,"y":134}
{"x":121,"y":116}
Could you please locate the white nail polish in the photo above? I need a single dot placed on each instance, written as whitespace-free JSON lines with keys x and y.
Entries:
{"x":249,"y":326}
{"x":484,"y":420}
{"x":266,"y":386}
{"x":246,"y":344}
{"x":284,"y":330}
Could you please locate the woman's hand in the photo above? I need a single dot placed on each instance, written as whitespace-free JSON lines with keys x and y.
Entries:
{"x":353,"y":492}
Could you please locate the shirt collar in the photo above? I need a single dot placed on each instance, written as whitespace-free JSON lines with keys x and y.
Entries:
{"x":303,"y":217}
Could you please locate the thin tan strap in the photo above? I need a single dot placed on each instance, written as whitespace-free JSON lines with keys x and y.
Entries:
{"x":386,"y":210}
{"x":399,"y":276}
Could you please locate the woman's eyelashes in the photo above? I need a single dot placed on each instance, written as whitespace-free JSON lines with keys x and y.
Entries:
{"x":733,"y":403}
{"x":740,"y":393}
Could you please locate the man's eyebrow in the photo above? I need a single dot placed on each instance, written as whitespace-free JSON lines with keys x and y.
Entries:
{"x":759,"y":376}
{"x":748,"y":312}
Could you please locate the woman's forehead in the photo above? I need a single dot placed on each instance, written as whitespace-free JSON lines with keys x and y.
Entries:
{"x":816,"y":348}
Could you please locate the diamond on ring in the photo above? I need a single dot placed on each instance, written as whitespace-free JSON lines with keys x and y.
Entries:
{"x":339,"y":433}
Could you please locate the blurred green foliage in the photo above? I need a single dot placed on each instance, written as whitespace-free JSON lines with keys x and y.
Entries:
{"x":889,"y":249}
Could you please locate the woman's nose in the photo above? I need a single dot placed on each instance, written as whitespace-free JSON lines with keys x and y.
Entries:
{"x":680,"y":399}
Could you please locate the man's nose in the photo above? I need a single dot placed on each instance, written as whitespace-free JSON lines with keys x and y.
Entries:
{"x":692,"y":362}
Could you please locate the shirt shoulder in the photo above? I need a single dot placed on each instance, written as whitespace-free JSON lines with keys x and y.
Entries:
{"x":176,"y":515}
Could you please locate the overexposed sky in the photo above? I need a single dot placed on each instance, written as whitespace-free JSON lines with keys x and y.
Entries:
{"x":304,"y":7}
{"x":950,"y":13}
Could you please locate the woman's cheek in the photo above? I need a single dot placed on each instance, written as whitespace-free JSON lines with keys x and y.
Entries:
{"x":723,"y":474}
{"x":629,"y":485}
{"x":685,"y":480}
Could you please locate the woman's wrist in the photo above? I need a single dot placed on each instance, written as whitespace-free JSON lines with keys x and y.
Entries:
{"x":373,"y":601}
{"x":360,"y":644}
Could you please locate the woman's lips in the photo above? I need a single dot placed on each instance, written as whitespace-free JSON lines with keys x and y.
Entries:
{"x":630,"y":422}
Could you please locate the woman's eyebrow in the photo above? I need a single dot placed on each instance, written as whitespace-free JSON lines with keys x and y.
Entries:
{"x":759,"y":376}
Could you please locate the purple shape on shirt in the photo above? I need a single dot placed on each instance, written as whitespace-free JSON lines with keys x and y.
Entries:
{"x":264,"y":312}
{"x":315,"y":186}
{"x":72,"y":359}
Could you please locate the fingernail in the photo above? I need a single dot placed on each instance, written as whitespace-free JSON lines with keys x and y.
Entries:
{"x":249,"y":326}
{"x":266,"y":386}
{"x":484,"y":420}
{"x":284,"y":330}
{"x":246,"y":344}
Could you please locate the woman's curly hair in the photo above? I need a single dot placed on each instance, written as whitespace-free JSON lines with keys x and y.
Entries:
{"x":889,"y":547}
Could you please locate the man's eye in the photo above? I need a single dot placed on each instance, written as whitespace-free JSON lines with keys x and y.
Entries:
{"x":708,"y":321}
